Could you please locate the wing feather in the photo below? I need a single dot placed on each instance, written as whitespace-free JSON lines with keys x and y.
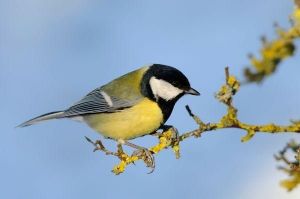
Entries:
{"x":97,"y":101}
{"x":104,"y":100}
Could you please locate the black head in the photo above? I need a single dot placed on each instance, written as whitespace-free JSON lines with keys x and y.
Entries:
{"x":165,"y":85}
{"x":166,"y":82}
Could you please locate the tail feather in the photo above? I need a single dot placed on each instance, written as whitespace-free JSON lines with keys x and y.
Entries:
{"x":45,"y":117}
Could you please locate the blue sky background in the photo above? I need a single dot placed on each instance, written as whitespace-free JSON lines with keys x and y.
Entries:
{"x":53,"y":52}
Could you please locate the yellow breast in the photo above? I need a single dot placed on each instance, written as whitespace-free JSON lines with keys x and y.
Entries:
{"x":139,"y":120}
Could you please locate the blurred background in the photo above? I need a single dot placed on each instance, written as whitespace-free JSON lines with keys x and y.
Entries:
{"x":54,"y":52}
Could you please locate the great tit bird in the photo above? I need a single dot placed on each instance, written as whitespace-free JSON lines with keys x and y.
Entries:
{"x":131,"y":106}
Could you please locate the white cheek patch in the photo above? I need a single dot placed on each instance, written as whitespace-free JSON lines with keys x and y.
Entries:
{"x":163,"y":89}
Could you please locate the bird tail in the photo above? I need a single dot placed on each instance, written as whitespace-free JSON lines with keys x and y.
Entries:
{"x":45,"y":117}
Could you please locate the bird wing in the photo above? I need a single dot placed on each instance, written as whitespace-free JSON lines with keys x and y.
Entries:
{"x":127,"y":88}
{"x":97,"y":101}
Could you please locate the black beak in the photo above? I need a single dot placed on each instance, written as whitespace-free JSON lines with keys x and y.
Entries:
{"x":192,"y":92}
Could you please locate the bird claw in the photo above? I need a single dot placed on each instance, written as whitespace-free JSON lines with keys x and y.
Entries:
{"x":175,"y":132}
{"x":147,"y":157}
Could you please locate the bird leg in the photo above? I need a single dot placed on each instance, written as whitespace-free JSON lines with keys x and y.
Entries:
{"x":142,"y":153}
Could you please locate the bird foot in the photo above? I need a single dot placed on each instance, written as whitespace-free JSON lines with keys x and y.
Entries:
{"x":147,"y":157}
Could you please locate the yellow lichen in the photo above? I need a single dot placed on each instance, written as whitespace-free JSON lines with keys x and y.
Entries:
{"x":165,"y":140}
{"x":233,"y":83}
{"x":125,"y":160}
{"x":291,"y":183}
{"x":248,"y":136}
{"x":176,"y":150}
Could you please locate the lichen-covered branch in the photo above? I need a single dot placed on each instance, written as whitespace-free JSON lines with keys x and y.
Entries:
{"x":291,"y":167}
{"x":274,"y":52}
{"x":166,"y":140}
{"x":230,"y":120}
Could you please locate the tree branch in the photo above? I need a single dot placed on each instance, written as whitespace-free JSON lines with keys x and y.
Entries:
{"x":291,"y":167}
{"x":274,"y":52}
